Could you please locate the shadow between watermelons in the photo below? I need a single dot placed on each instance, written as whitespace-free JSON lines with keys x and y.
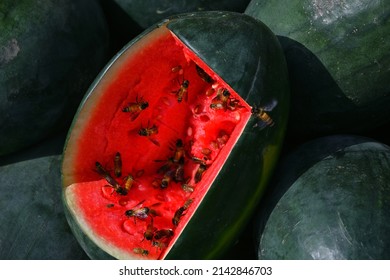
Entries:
{"x":279,"y":185}
{"x":121,"y":26}
{"x":52,"y":145}
{"x":318,"y":105}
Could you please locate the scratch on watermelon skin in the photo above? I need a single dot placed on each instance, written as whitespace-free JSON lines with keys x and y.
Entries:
{"x":9,"y":51}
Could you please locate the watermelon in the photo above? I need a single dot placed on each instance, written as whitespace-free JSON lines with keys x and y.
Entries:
{"x":50,"y":51}
{"x":34,"y":224}
{"x":330,"y":199}
{"x":337,"y":56}
{"x":175,"y":141}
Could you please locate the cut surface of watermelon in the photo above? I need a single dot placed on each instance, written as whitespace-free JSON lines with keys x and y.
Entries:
{"x":173,"y":123}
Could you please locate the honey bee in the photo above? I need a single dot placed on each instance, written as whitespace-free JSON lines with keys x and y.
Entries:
{"x":261,"y":113}
{"x":166,"y":180}
{"x":224,"y":101}
{"x":117,"y":165}
{"x":233,"y":104}
{"x":148,"y":132}
{"x":140,"y":251}
{"x":199,"y":172}
{"x":141,"y":212}
{"x":221,"y":100}
{"x":110,"y":180}
{"x":201,"y":169}
{"x":163,"y":233}
{"x":178,"y":174}
{"x":179,"y":151}
{"x":180,"y":212}
{"x":135,"y":108}
{"x":159,"y":245}
{"x":129,"y":180}
{"x":203,"y":75}
{"x":177,"y":158}
{"x":172,"y":172}
{"x":150,"y":230}
{"x":182,"y":92}
{"x":167,"y":166}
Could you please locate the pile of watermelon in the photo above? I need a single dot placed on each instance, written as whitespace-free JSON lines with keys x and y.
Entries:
{"x":212,"y":130}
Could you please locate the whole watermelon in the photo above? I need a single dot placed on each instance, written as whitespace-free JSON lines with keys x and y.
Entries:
{"x":50,"y":51}
{"x":32,"y":217}
{"x":330,"y":200}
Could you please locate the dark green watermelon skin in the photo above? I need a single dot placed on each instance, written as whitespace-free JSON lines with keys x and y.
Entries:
{"x":330,"y":200}
{"x":338,"y":60}
{"x":147,"y":13}
{"x":50,"y":51}
{"x":32,"y":216}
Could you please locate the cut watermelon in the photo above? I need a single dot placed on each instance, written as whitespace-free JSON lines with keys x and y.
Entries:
{"x":152,"y":138}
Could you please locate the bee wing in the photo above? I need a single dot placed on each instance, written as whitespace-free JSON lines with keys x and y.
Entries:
{"x":153,"y":212}
{"x":164,"y":168}
{"x":197,"y":160}
{"x":179,"y":174}
{"x":270,"y":106}
{"x":188,"y":203}
{"x":260,"y":124}
{"x":142,"y":214}
{"x":134,"y":115}
{"x":138,"y":204}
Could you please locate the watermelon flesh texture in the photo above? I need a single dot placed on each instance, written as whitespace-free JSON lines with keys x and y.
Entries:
{"x":152,"y":70}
